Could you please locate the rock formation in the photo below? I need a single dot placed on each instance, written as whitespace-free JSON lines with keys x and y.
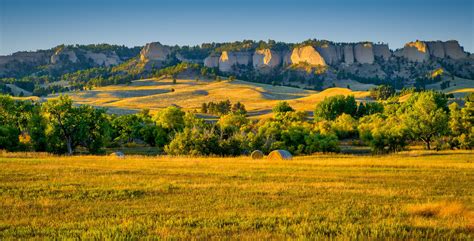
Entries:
{"x":414,"y":51}
{"x":454,"y":50}
{"x":382,"y":51}
{"x":103,"y":59}
{"x":329,"y":53}
{"x":226,"y":61}
{"x":63,"y":54}
{"x":436,"y":49}
{"x":348,"y":51}
{"x":154,"y":51}
{"x":307,"y":54}
{"x":243,"y":58}
{"x":212,"y":61}
{"x":364,"y":53}
{"x":266,"y":58}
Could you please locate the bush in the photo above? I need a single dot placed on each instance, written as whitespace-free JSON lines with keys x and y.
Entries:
{"x":332,"y":107}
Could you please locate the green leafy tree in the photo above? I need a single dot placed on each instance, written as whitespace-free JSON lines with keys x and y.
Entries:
{"x":425,"y":116}
{"x":383,"y":133}
{"x":332,"y":107}
{"x":69,"y":126}
{"x":282,"y":107}
{"x":170,"y":118}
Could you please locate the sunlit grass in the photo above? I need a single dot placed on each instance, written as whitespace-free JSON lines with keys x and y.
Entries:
{"x":406,"y":195}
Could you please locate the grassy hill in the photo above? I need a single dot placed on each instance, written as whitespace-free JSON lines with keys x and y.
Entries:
{"x":189,"y":94}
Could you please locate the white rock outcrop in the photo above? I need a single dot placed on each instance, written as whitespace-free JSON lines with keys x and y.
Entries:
{"x":103,"y":59}
{"x":382,"y":51}
{"x":63,"y":53}
{"x":211,"y":61}
{"x":348,"y":51}
{"x":243,"y":58}
{"x":436,"y":49}
{"x":364,"y":53}
{"x":226,"y":61}
{"x":454,"y":50}
{"x":414,"y":51}
{"x":266,"y":58}
{"x":154,"y":51}
{"x":329,"y":53}
{"x":307,"y":54}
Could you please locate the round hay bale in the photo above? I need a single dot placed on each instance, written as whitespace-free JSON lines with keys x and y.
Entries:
{"x":117,"y":154}
{"x":279,"y":155}
{"x":257,"y":154}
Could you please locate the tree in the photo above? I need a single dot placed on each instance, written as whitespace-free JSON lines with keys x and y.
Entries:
{"x":171,"y":118}
{"x":461,"y":125}
{"x":425,"y":116}
{"x":282,"y":107}
{"x":344,"y":126}
{"x":71,"y":126}
{"x":383,"y":133}
{"x":9,"y":138}
{"x":382,"y":92}
{"x":331,"y":107}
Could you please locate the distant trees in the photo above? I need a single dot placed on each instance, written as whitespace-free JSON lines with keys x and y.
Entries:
{"x":331,"y":107}
{"x":382,"y":92}
{"x":58,"y":126}
{"x":223,"y":108}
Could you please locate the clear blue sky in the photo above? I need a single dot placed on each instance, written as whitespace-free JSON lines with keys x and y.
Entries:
{"x":42,"y":24}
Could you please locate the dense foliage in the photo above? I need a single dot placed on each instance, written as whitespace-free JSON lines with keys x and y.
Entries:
{"x":58,"y":126}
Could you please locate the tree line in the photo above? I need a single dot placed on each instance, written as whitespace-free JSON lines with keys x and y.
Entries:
{"x":59,"y":126}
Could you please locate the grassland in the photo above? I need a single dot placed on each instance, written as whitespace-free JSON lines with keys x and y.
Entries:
{"x":155,"y":94}
{"x":411,"y":195}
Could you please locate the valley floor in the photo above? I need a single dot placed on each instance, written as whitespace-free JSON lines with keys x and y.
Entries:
{"x":410,"y":195}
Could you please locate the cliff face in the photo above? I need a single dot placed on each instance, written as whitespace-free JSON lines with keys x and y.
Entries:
{"x":329,"y":53}
{"x":108,"y":59}
{"x":382,"y":51}
{"x":348,"y":51}
{"x":226,"y":61}
{"x":416,"y":51}
{"x":436,"y":49}
{"x":364,"y":53}
{"x":154,"y":51}
{"x":266,"y":58}
{"x":454,"y":50}
{"x":211,"y":61}
{"x":307,"y":54}
{"x":63,"y":54}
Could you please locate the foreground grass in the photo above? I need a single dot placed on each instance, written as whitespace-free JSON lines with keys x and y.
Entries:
{"x":408,"y":195}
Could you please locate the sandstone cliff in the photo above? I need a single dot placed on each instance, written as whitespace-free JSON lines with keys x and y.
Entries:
{"x":154,"y":51}
{"x":63,"y":54}
{"x":306,"y":54}
{"x":104,"y":59}
{"x":364,"y":53}
{"x":414,"y":51}
{"x":329,"y":53}
{"x":266,"y":58}
{"x":436,"y":49}
{"x":226,"y":61}
{"x":348,"y":54}
{"x":382,"y":51}
{"x":212,"y":61}
{"x":454,"y":50}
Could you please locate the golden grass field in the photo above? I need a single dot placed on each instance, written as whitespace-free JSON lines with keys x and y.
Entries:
{"x":411,"y":195}
{"x":155,"y":94}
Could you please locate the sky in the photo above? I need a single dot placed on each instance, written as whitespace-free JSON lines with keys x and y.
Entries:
{"x":28,"y":25}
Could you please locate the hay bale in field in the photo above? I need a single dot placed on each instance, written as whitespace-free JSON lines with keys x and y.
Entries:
{"x":117,"y":154}
{"x":279,"y":155}
{"x":257,"y":154}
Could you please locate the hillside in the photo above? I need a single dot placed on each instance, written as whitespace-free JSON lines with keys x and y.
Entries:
{"x":311,"y":64}
{"x":154,"y":94}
